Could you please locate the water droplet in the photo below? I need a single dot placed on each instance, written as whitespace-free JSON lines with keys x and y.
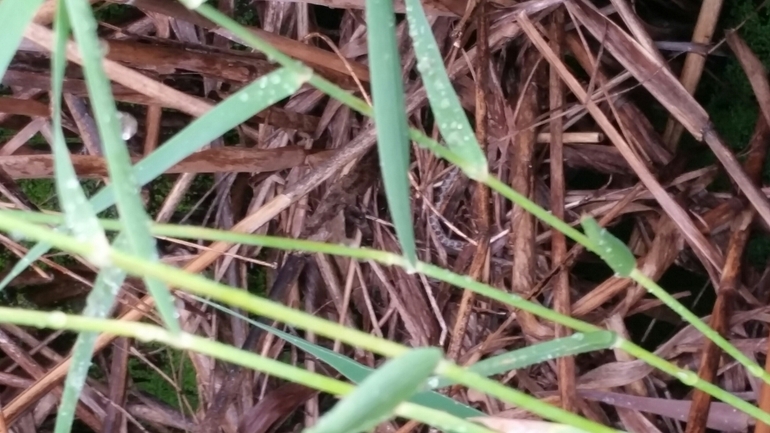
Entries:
{"x":57,"y":319}
{"x":687,"y":377}
{"x":128,"y":125}
{"x":756,"y":370}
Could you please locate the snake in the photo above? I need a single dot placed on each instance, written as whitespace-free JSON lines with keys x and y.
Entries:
{"x":456,"y":245}
{"x":434,"y":219}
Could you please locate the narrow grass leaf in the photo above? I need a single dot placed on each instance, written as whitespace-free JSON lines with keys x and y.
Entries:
{"x":390,"y":118}
{"x":227,"y":353}
{"x":130,"y":207}
{"x":81,"y":220}
{"x":98,"y":304}
{"x":573,"y":345}
{"x":15,"y":222}
{"x":351,"y":369}
{"x":15,"y":15}
{"x":611,"y":249}
{"x":375,"y":399}
{"x":240,"y":106}
{"x":80,"y":217}
{"x":450,"y":116}
{"x":229,"y":113}
{"x":247,"y":37}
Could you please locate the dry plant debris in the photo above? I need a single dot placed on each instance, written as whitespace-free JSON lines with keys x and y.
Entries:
{"x":306,"y":168}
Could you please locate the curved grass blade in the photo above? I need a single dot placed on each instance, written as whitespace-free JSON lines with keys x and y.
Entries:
{"x":390,"y":118}
{"x":130,"y":207}
{"x":223,"y":352}
{"x":98,"y":305}
{"x":81,"y":219}
{"x":611,"y":249}
{"x":450,"y":116}
{"x":240,"y":106}
{"x":15,"y":15}
{"x":351,"y":369}
{"x":573,"y":345}
{"x":12,"y":222}
{"x":229,"y":113}
{"x":375,"y":399}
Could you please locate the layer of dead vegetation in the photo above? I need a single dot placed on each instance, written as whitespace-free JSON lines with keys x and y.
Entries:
{"x":604,"y":158}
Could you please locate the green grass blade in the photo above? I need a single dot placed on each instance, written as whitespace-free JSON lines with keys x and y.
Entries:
{"x":130,"y":207}
{"x":240,"y":106}
{"x":32,"y":255}
{"x":15,"y":222}
{"x":275,"y":55}
{"x":352,"y":370}
{"x":79,"y":216}
{"x":229,"y":113}
{"x":390,"y":118}
{"x":611,"y":249}
{"x":98,"y":304}
{"x":541,"y":352}
{"x":15,"y":15}
{"x":81,"y":220}
{"x":223,"y":352}
{"x":379,"y":394}
{"x":450,"y":116}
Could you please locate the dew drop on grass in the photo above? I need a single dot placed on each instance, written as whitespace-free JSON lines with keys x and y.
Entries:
{"x":185,"y":341}
{"x":244,"y":97}
{"x":432,"y":382}
{"x":687,"y":377}
{"x":128,"y":127}
{"x":756,"y":370}
{"x":72,"y":184}
{"x":57,"y":319}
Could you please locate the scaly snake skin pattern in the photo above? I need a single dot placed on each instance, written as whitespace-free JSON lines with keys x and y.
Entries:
{"x":434,"y":219}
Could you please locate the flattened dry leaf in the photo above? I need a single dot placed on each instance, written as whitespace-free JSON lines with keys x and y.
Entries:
{"x":720,"y":415}
{"x":614,"y":374}
{"x":656,"y":78}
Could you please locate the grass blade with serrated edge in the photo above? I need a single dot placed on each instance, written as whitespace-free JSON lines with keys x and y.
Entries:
{"x":351,"y":369}
{"x":220,"y":119}
{"x":198,"y":284}
{"x":375,"y":399}
{"x":130,"y":207}
{"x":15,"y":15}
{"x":390,"y":118}
{"x":82,"y":221}
{"x":450,"y":116}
